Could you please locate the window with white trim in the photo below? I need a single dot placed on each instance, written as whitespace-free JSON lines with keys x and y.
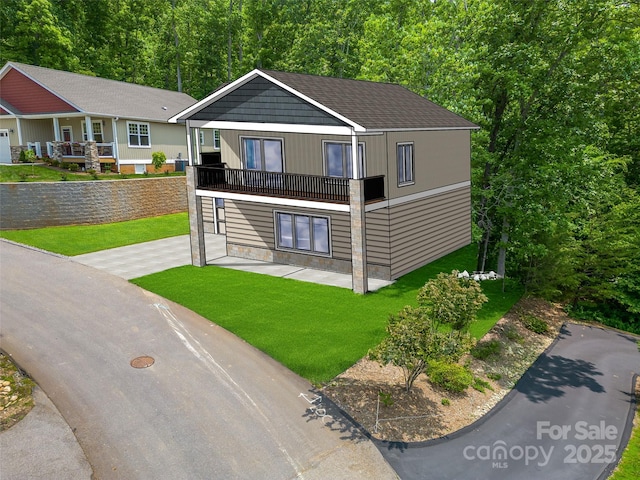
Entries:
{"x":201,"y":137}
{"x":405,"y":163}
{"x":138,"y":134}
{"x":305,"y":233}
{"x":97,"y":131}
{"x":216,"y":139}
{"x":337,"y":159}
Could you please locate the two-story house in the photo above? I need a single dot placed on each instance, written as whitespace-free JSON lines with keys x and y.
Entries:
{"x":343,"y":175}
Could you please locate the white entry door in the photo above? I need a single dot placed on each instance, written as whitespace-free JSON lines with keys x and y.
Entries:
{"x":5,"y":148}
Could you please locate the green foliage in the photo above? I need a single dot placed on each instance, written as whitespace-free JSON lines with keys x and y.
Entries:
{"x":452,"y":377}
{"x":23,"y":176}
{"x":93,"y":173}
{"x":436,"y":330}
{"x":484,"y":350}
{"x":445,"y":402}
{"x":481,"y":385}
{"x":73,"y":167}
{"x":64,"y":176}
{"x":535,"y":324}
{"x":386,"y":399}
{"x":158,"y":159}
{"x":27,"y":156}
{"x":511,"y":333}
{"x":452,"y":301}
{"x":494,"y":376}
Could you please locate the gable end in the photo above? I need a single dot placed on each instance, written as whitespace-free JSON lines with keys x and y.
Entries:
{"x":260,"y":101}
{"x":29,"y":97}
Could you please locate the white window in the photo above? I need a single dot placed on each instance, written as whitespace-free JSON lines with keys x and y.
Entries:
{"x":97,"y":131}
{"x":264,"y":154}
{"x":405,"y":163}
{"x":216,"y":139}
{"x":138,"y":134}
{"x":305,"y":233}
{"x":337,"y":159}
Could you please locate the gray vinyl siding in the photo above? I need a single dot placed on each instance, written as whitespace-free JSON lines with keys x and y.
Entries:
{"x":252,"y":224}
{"x":440,"y":158}
{"x":378,"y":238}
{"x":303,"y":152}
{"x":261,"y":101}
{"x":427,"y":229}
{"x":207,"y":209}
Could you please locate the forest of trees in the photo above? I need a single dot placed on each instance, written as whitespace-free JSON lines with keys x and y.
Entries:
{"x":554,"y":84}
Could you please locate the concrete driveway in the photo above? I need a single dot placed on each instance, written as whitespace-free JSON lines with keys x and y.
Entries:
{"x":211,"y":406}
{"x":566,"y":419}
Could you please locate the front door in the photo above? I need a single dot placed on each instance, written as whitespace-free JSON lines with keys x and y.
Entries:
{"x":5,"y":147}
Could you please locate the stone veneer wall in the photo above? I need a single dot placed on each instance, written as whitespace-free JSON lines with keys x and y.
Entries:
{"x":45,"y":204}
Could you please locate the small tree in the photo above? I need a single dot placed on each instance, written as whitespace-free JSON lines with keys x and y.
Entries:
{"x":437,"y":330}
{"x":158,"y":159}
{"x":451,"y":300}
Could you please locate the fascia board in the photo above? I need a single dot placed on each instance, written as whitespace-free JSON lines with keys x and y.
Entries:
{"x":272,"y":127}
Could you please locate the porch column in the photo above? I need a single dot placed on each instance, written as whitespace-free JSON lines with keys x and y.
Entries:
{"x":56,"y":129}
{"x":114,"y":132}
{"x":189,"y":145}
{"x":355,"y":164}
{"x":359,"y":276}
{"x":91,"y":158}
{"x":196,"y":224}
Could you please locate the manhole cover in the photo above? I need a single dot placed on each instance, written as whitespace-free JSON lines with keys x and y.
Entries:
{"x":142,"y":362}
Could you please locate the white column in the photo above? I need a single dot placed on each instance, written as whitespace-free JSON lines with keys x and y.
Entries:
{"x":89,"y":128}
{"x":19,"y":127}
{"x":114,"y":130}
{"x":189,"y":146}
{"x":196,"y":136}
{"x":56,"y":129}
{"x":355,"y":165}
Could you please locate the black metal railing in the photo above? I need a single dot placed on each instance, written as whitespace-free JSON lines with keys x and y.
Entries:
{"x":287,"y":185}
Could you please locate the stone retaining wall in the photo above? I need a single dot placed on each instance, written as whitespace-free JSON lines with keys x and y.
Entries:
{"x":47,"y":204}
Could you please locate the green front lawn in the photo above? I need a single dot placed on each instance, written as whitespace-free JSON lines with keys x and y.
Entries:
{"x":79,"y":239}
{"x":315,"y":330}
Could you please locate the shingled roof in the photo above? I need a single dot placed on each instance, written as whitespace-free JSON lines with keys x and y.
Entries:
{"x":371,"y":105}
{"x":99,"y":96}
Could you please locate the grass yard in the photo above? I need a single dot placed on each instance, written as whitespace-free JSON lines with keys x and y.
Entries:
{"x":317,"y":331}
{"x":42,"y":173}
{"x":79,"y":239}
{"x":629,"y":466}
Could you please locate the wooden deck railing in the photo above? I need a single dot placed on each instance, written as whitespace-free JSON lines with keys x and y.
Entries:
{"x":286,"y":185}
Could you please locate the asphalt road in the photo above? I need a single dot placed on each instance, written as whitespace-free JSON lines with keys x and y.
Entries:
{"x":211,"y":406}
{"x":565,"y":419}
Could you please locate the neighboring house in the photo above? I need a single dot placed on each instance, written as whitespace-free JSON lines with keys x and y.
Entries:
{"x":62,"y":115}
{"x":342,"y":175}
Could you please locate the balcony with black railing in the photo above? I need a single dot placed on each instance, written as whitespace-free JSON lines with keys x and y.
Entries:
{"x":285,"y":185}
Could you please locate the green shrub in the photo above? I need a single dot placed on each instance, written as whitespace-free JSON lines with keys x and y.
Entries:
{"x":450,"y":376}
{"x":494,"y":376}
{"x":535,"y":324}
{"x":445,"y":402}
{"x":64,"y":177}
{"x":55,"y":163}
{"x":93,"y":173}
{"x":481,"y":385}
{"x":27,"y":156}
{"x":386,"y":399}
{"x":484,"y":350}
{"x":512,"y":333}
{"x":74,"y":167}
{"x":158,"y":159}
